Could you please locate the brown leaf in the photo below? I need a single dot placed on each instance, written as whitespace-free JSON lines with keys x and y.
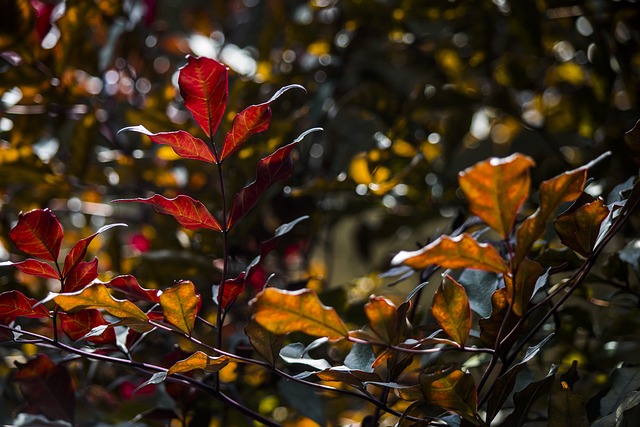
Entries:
{"x":579,"y":226}
{"x":496,"y":188}
{"x":199,"y":360}
{"x":452,"y":311}
{"x":526,"y":276}
{"x":454,"y":391}
{"x":383,"y":318}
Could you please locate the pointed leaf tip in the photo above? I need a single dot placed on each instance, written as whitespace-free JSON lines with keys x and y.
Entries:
{"x":182,"y":142}
{"x":39,"y":234}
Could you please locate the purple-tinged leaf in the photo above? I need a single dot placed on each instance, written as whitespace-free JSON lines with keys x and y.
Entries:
{"x":79,"y":250}
{"x":271,"y":169}
{"x":79,"y":325}
{"x":38,"y":233}
{"x":189,"y":212}
{"x":183,"y":143}
{"x":129,"y":285}
{"x":204,"y":85}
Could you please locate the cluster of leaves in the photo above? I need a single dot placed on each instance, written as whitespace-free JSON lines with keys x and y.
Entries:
{"x":465,"y":363}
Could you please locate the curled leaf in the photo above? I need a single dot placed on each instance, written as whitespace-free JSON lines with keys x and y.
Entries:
{"x":579,"y":226}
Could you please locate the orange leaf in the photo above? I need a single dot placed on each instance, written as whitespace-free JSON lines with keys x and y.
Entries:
{"x":563,"y":188}
{"x":579,"y":226}
{"x":453,"y":391}
{"x":382,"y":318}
{"x":496,"y":188}
{"x":452,"y":311}
{"x":526,"y":277}
{"x":281,"y":312}
{"x":97,"y":296}
{"x":454,"y":252}
{"x":199,"y":360}
{"x":180,"y":305}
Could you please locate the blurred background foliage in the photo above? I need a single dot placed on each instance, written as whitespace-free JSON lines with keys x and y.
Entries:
{"x":408,"y":92}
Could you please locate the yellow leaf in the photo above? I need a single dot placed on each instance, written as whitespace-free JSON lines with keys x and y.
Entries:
{"x":199,"y":360}
{"x":97,"y":296}
{"x":281,"y":312}
{"x":496,"y":188}
{"x":454,"y":252}
{"x":180,"y":305}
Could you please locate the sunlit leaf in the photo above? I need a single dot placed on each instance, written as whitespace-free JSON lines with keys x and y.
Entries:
{"x":129,"y":285}
{"x":14,"y":304}
{"x":453,"y":391}
{"x":81,"y":275}
{"x":47,"y":388}
{"x":232,"y":288}
{"x":37,"y":268}
{"x":579,"y":226}
{"x":38,"y":233}
{"x":451,"y":310}
{"x":180,"y":305}
{"x":382,"y":318}
{"x":271,"y":169}
{"x":281,"y":312}
{"x":496,"y":188}
{"x":97,"y":296}
{"x":78,"y":325}
{"x":563,"y":188}
{"x":265,"y":343}
{"x":199,"y":360}
{"x":251,"y":120}
{"x":203,"y":85}
{"x":79,"y":250}
{"x":183,"y":143}
{"x":525,"y":282}
{"x":454,"y":252}
{"x":190,"y":213}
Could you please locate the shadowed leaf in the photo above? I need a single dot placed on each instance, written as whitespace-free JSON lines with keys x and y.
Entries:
{"x":578,"y":227}
{"x":81,"y":275}
{"x":454,"y":252}
{"x":79,"y":250}
{"x":129,"y":285}
{"x":38,"y":233}
{"x":352,"y":377}
{"x":265,"y":343}
{"x":189,"y":212}
{"x":271,"y":169}
{"x":525,"y":283}
{"x":47,"y":388}
{"x":14,"y":304}
{"x":183,"y":143}
{"x":632,"y":139}
{"x":37,"y":268}
{"x":180,"y":305}
{"x":97,"y":296}
{"x":251,"y":120}
{"x":382,"y":318}
{"x":489,"y":198}
{"x":199,"y":360}
{"x":490,"y":326}
{"x":566,"y":408}
{"x":203,"y":85}
{"x":452,"y":311}
{"x":78,"y":325}
{"x":454,"y":391}
{"x":281,"y":312}
{"x":524,"y":399}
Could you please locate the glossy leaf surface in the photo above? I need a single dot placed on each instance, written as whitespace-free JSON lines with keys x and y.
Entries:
{"x":81,"y":275}
{"x":199,"y":360}
{"x":14,"y":304}
{"x":38,"y":233}
{"x":79,"y":250}
{"x":182,"y":142}
{"x":579,"y":226}
{"x":97,"y":296}
{"x":37,"y":268}
{"x":454,"y":252}
{"x":129,"y":286}
{"x":281,"y":312}
{"x":271,"y":169}
{"x":180,"y":305}
{"x":454,"y":391}
{"x":382,"y":318}
{"x":203,"y":85}
{"x":451,"y":310}
{"x":78,"y":325}
{"x":47,"y":388}
{"x":190,"y":213}
{"x":251,"y":120}
{"x":496,"y":188}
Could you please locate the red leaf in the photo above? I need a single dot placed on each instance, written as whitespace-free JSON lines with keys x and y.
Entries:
{"x":14,"y":304}
{"x":183,"y":143}
{"x":79,"y":250}
{"x":129,"y":285}
{"x":39,"y":234}
{"x":204,"y":86}
{"x":81,"y":275}
{"x":273,"y":168}
{"x":79,"y":324}
{"x":189,"y":212}
{"x":37,"y":268}
{"x":251,"y":120}
{"x":232,"y":288}
{"x":47,"y":388}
